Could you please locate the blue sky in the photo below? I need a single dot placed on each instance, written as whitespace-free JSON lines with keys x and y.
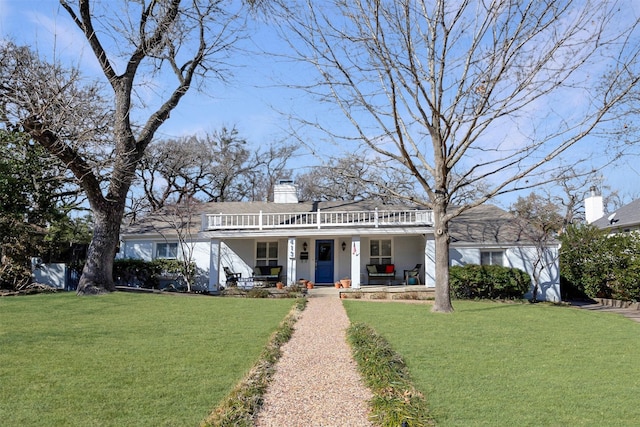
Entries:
{"x":245,"y":101}
{"x":250,"y":101}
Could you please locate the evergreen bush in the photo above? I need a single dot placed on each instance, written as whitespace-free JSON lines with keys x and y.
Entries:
{"x":598,"y":265}
{"x":145,"y":274}
{"x":488,"y":282}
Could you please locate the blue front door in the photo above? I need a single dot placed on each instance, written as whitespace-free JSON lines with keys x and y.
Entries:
{"x":324,"y":261}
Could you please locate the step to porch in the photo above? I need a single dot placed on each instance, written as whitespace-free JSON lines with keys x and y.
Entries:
{"x":417,"y":293}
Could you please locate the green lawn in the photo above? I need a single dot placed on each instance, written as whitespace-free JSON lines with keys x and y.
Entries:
{"x":126,"y":359}
{"x":497,"y":364}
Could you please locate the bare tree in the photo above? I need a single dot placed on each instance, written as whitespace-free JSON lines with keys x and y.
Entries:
{"x":353,"y":177}
{"x":572,"y":186}
{"x":271,"y":165}
{"x":206,"y":168}
{"x":464,"y":92}
{"x":568,"y":192}
{"x":217,"y":167}
{"x":241,"y":171}
{"x":177,"y":222}
{"x":178,"y":42}
{"x":540,"y":223}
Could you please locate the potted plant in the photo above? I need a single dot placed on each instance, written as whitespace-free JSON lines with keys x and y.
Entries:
{"x":280,"y":285}
{"x":345,"y":282}
{"x":309,"y":284}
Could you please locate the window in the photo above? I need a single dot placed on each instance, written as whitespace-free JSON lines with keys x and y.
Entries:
{"x":167,"y":250}
{"x":380,"y":251}
{"x":491,"y":257}
{"x":267,"y":253}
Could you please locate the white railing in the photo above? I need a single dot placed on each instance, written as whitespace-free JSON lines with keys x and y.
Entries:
{"x":318,"y":219}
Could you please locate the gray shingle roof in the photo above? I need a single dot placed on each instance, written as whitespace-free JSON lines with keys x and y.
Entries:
{"x":626,"y":216}
{"x":484,"y":224}
{"x":161,"y":221}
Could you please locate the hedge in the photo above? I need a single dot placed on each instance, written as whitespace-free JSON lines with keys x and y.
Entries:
{"x":595,"y":264}
{"x":488,"y":282}
{"x":145,"y":274}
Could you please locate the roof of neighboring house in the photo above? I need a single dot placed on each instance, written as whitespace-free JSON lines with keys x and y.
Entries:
{"x":626,"y":216}
{"x":485,"y":224}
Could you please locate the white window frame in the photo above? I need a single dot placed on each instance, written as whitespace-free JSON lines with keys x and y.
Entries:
{"x":492,"y":253}
{"x":380,"y":258}
{"x":167,"y":250}
{"x":267,"y":260}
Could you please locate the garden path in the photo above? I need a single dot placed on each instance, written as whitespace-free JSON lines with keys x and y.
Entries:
{"x":316,"y":382}
{"x":630,"y":312}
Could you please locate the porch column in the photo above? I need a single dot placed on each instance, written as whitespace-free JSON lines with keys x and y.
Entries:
{"x":214,"y":266}
{"x":430,"y":262}
{"x":355,"y":262}
{"x":291,"y":261}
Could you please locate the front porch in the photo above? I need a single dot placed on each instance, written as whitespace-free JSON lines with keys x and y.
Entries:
{"x":323,"y":259}
{"x":322,"y":242}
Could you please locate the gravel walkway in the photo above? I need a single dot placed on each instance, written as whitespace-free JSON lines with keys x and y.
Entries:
{"x":316,"y":382}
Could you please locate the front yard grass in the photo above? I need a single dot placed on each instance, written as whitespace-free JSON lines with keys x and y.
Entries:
{"x":126,"y":359}
{"x":497,"y":364}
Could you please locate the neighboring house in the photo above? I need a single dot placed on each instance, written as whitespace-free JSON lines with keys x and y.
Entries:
{"x":327,"y":241}
{"x":623,"y":220}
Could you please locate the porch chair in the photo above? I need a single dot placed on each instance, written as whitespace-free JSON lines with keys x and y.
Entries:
{"x":414,"y":272}
{"x":232,"y":278}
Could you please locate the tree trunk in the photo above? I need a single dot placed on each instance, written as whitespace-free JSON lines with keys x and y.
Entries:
{"x":97,"y":275}
{"x":537,"y":274}
{"x":442,"y":303}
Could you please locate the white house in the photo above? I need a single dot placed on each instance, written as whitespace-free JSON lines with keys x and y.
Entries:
{"x":622,"y":220}
{"x":327,"y":241}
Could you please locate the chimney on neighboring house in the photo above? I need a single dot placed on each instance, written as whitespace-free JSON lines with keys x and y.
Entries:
{"x":285,"y":192}
{"x":593,"y":206}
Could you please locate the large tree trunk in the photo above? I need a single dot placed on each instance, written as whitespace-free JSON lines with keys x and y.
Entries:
{"x":442,"y":303}
{"x":97,"y":275}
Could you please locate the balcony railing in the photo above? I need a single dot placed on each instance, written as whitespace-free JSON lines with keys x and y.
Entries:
{"x":318,"y":219}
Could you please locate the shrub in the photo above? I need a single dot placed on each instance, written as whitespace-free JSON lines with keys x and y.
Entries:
{"x":294,"y":291}
{"x":584,"y":261}
{"x":145,"y":274}
{"x":396,"y":401}
{"x":488,"y":282}
{"x":17,"y":244}
{"x":623,"y":275}
{"x":598,"y":265}
{"x":258,"y":293}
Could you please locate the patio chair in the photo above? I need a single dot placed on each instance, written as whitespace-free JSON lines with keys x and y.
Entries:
{"x":414,"y":272}
{"x":232,"y":278}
